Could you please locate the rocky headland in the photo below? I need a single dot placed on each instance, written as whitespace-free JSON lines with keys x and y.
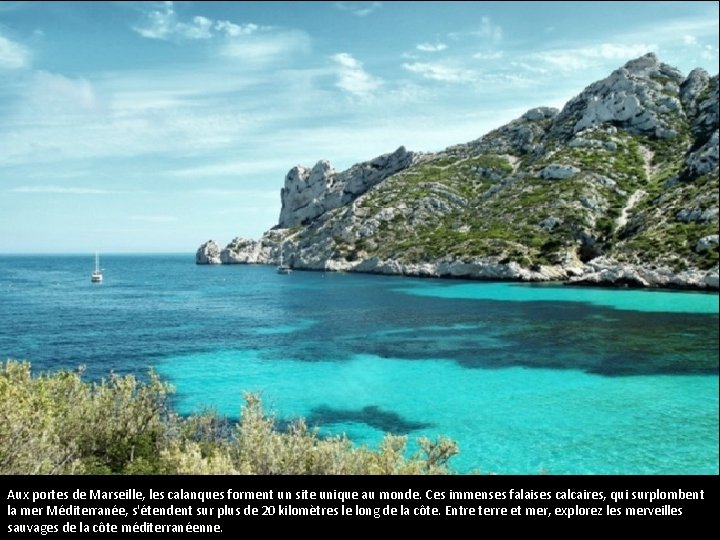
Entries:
{"x":620,"y":187}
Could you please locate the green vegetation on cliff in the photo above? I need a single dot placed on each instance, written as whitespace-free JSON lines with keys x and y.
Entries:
{"x":625,"y":175}
{"x":463,"y":206}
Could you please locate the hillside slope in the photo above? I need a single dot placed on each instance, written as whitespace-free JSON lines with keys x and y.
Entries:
{"x":619,"y":188}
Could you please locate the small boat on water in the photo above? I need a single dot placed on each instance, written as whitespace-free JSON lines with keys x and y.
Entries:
{"x":283,"y":268}
{"x":96,"y":276}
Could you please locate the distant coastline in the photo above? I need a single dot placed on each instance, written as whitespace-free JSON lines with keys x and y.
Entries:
{"x":602,"y":273}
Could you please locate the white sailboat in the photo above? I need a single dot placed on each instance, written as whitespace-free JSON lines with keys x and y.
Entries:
{"x":283,"y":268}
{"x":96,"y":276}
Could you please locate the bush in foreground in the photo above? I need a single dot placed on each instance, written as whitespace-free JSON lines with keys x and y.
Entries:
{"x":59,"y":424}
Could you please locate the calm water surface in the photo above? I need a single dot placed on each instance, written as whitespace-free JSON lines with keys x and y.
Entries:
{"x":527,"y":378}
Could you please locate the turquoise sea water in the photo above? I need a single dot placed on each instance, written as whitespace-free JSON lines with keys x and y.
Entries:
{"x":527,"y":378}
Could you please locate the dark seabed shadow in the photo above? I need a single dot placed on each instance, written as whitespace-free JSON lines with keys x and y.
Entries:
{"x":372,"y":415}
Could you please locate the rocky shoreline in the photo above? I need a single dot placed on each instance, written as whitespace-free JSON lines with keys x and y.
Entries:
{"x":600,"y":272}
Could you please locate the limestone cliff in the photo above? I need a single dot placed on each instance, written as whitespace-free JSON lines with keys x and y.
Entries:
{"x":309,"y":193}
{"x":619,"y":187}
{"x":208,"y":253}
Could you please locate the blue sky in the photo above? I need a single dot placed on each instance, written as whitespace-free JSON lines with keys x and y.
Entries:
{"x":153,"y":126}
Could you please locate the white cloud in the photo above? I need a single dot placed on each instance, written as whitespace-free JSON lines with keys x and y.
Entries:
{"x":670,"y":30}
{"x":346,"y":60}
{"x":489,"y":55}
{"x":431,"y":47}
{"x":266,"y":47}
{"x":164,"y":24}
{"x":230,"y":168}
{"x":161,"y":23}
{"x":352,"y":77}
{"x":609,"y":51}
{"x":53,"y":94}
{"x":490,"y":31}
{"x":487,"y":31}
{"x":574,"y":59}
{"x":13,"y":55}
{"x":48,"y":134}
{"x":359,"y":9}
{"x":706,"y":52}
{"x":532,"y":68}
{"x":709,"y":52}
{"x":438,"y":71}
{"x":235,"y":30}
{"x":201,"y":28}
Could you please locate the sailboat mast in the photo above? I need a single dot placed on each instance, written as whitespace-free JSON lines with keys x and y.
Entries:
{"x":96,"y":276}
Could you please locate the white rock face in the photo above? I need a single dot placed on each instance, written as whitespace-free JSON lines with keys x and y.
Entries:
{"x":558,"y":172}
{"x":549,"y":223}
{"x":208,"y":253}
{"x":691,"y":88}
{"x":245,"y":251}
{"x":309,"y":193}
{"x":707,"y":243}
{"x":712,"y":280}
{"x":475,"y":269}
{"x":704,"y":159}
{"x":603,"y":271}
{"x":633,"y":96}
{"x":618,"y":107}
{"x":540,"y":113}
{"x":579,"y":142}
{"x":697,"y":214}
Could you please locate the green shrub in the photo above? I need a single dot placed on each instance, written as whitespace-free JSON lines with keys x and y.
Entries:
{"x":59,"y":424}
